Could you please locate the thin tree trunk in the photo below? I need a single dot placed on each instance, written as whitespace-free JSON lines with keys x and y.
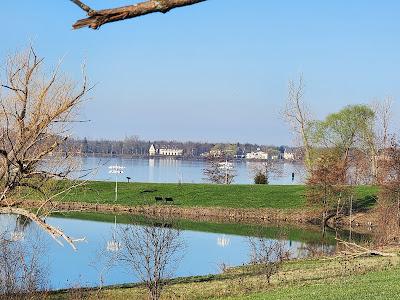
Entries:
{"x":350,"y":216}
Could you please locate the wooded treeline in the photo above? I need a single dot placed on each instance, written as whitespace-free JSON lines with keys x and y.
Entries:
{"x":136,"y":147}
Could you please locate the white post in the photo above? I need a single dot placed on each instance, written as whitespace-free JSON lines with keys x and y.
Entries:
{"x":116,"y":187}
{"x":226,"y":170}
{"x":116,"y":170}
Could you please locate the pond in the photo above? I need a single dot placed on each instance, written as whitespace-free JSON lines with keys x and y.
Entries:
{"x":207,"y":246}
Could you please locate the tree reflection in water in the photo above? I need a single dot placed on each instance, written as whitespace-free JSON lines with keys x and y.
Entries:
{"x":22,"y":272}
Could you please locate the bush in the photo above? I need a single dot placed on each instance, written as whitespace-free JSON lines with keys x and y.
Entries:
{"x":260,"y":178}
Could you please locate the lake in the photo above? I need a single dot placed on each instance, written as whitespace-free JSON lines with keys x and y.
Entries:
{"x":185,"y":171}
{"x":207,"y":245}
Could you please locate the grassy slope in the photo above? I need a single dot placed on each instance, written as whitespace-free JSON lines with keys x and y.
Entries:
{"x":361,"y":278}
{"x":202,"y":195}
{"x":383,"y":285}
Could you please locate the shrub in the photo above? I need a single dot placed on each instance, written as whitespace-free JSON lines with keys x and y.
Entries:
{"x":260,"y":178}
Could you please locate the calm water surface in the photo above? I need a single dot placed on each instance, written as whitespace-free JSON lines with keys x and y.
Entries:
{"x":185,"y":171}
{"x":203,"y":253}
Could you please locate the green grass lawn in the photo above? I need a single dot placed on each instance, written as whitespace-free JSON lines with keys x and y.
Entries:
{"x":309,"y":279}
{"x":377,"y":285}
{"x":203,"y":195}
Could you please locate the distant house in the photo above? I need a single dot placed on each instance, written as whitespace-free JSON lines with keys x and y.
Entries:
{"x":275,"y":156}
{"x":165,"y":151}
{"x":152,"y":150}
{"x":260,"y":155}
{"x":213,"y":153}
{"x":170,"y":152}
{"x":292,"y":154}
{"x":240,"y":153}
{"x":288,"y":155}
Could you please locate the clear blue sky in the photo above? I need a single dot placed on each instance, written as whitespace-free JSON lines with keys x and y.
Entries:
{"x":216,"y":71}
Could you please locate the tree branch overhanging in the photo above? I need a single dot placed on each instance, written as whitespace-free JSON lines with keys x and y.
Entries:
{"x":35,"y":113}
{"x":97,"y":18}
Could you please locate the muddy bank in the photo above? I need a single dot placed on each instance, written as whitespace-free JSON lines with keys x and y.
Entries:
{"x":251,"y":216}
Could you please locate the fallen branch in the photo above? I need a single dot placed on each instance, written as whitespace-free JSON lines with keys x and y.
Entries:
{"x":97,"y":18}
{"x":355,"y":250}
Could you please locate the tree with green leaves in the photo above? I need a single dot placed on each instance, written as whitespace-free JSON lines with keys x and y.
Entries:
{"x":348,"y":131}
{"x":343,"y":147}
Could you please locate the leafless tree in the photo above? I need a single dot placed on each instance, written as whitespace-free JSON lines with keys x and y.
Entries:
{"x":97,"y":18}
{"x":22,"y":273}
{"x":36,"y":110}
{"x":152,"y":252}
{"x":380,"y":141}
{"x":297,"y":115}
{"x":268,"y":254}
{"x":383,"y":115}
{"x":219,"y":171}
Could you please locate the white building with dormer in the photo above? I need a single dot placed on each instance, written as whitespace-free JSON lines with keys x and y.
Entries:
{"x":165,"y":151}
{"x":152,"y":150}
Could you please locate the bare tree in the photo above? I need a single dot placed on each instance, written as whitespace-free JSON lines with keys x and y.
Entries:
{"x":380,"y":141}
{"x":97,"y":18}
{"x":297,"y":115}
{"x":152,"y":252}
{"x":268,"y":254}
{"x":219,"y":171}
{"x":36,"y":110}
{"x":383,"y":115}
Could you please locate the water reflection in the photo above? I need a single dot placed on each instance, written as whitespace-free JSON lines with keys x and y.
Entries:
{"x":207,"y":245}
{"x":113,"y":245}
{"x":223,"y":241}
{"x":23,"y":266}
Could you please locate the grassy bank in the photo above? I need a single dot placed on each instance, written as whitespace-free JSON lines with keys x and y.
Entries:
{"x":359,"y":278}
{"x":203,"y":195}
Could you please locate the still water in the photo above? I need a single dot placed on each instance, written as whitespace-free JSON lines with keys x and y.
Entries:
{"x":207,"y":245}
{"x":185,"y":171}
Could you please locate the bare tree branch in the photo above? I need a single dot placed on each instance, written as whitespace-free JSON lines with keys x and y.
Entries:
{"x":98,"y":18}
{"x":83,"y":6}
{"x":35,"y":114}
{"x":54,"y":232}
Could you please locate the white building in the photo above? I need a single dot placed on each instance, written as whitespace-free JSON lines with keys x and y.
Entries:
{"x":257,"y":155}
{"x":288,"y":155}
{"x":165,"y":151}
{"x":170,"y":152}
{"x":152,"y":150}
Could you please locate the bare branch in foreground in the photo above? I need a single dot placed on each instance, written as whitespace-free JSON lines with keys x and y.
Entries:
{"x":97,"y":18}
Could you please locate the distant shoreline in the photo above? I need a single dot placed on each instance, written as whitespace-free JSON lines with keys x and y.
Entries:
{"x":185,"y":158}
